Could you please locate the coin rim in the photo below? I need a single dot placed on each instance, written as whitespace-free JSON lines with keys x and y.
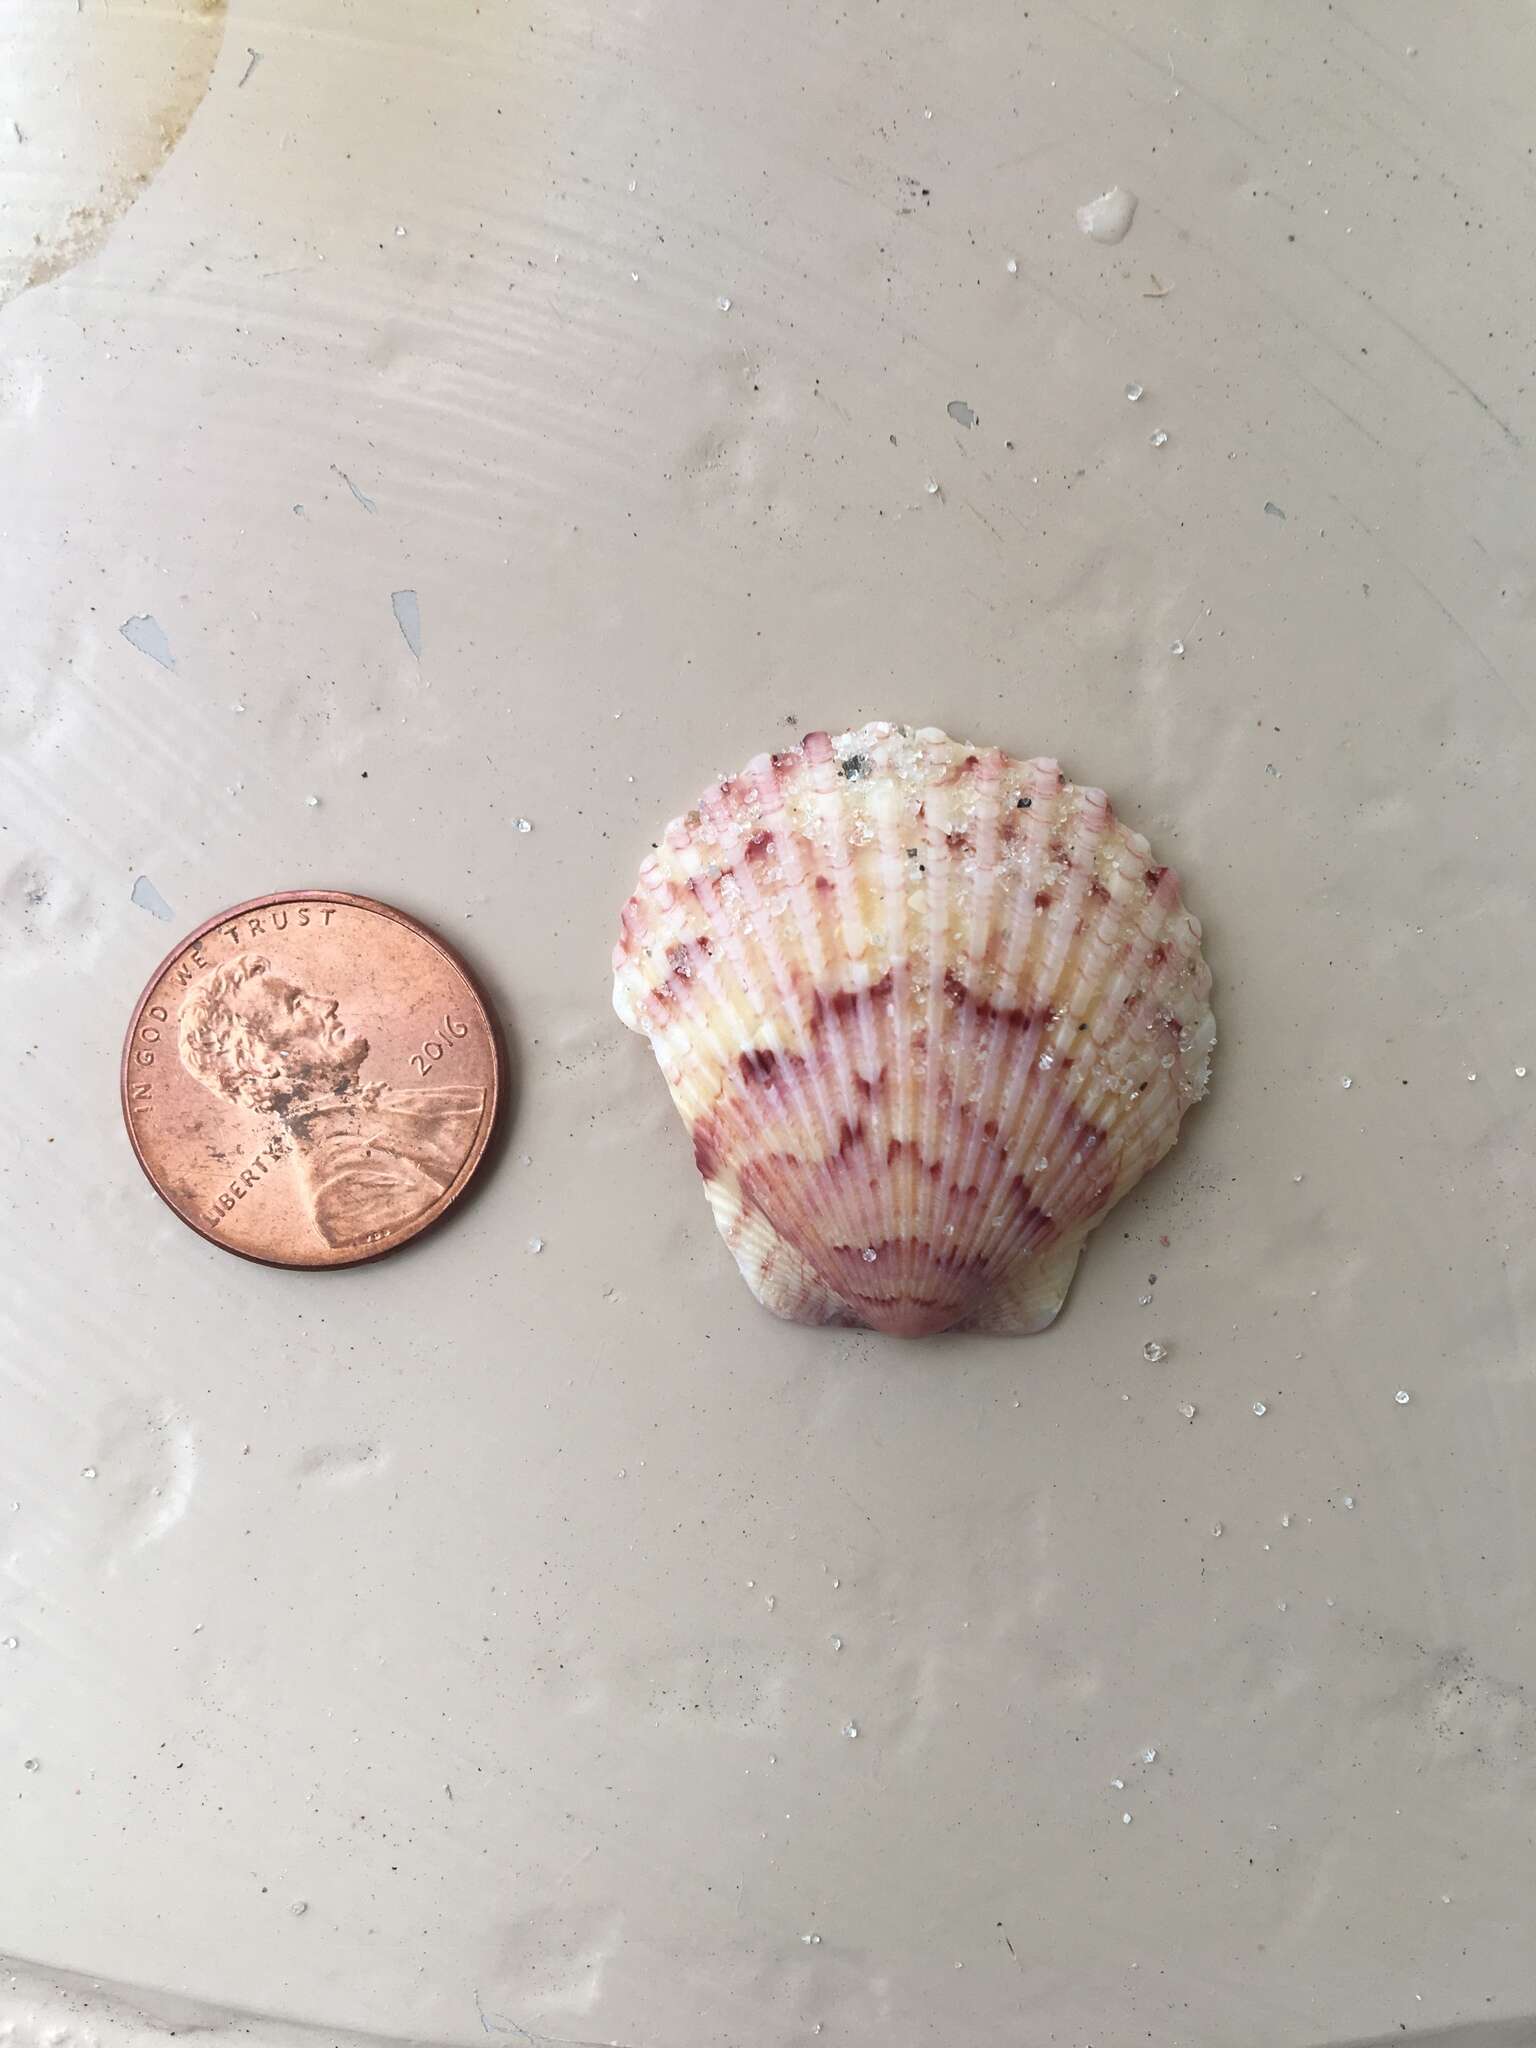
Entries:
{"x":472,"y":1159}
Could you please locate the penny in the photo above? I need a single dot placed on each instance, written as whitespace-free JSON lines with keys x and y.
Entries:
{"x":311,"y":1079}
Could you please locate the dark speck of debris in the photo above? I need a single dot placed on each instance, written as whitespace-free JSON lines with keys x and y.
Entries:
{"x":1273,"y":509}
{"x":855,"y":767}
{"x":1024,"y":803}
{"x":960,"y":413}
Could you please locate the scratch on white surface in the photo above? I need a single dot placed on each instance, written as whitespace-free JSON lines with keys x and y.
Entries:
{"x":45,"y":2008}
{"x":341,"y":1464}
{"x":148,"y":1459}
{"x":368,"y":504}
{"x":253,"y":59}
{"x":498,"y":2023}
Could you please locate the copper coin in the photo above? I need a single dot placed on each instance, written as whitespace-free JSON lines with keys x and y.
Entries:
{"x":311,"y":1079}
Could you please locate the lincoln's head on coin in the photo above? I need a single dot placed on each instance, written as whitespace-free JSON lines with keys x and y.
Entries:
{"x":257,"y":1038}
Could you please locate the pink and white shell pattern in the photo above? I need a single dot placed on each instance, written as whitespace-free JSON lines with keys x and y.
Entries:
{"x":928,"y":1013}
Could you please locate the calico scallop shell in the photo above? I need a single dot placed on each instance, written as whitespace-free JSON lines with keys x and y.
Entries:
{"x":928,"y":1012}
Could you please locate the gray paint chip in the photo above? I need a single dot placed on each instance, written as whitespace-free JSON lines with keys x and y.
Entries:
{"x":148,"y":635}
{"x":408,"y":618}
{"x":148,"y":897}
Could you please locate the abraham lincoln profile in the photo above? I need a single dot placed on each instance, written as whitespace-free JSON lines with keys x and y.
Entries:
{"x":371,"y":1158}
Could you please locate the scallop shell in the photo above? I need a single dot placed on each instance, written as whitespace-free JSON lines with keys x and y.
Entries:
{"x":928,"y":1012}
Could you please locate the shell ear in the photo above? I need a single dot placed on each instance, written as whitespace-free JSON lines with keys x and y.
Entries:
{"x":776,"y":1273}
{"x":1029,"y":1296}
